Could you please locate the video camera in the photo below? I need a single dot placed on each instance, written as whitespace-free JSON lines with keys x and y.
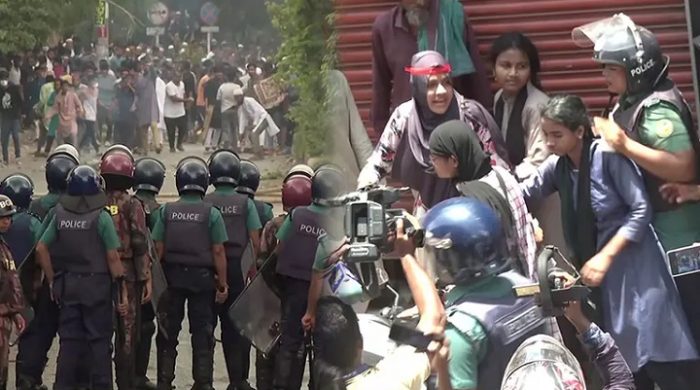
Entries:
{"x":370,"y":222}
{"x":559,"y":284}
{"x":369,"y":225}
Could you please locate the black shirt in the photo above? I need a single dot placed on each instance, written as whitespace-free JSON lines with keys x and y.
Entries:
{"x":11,"y":101}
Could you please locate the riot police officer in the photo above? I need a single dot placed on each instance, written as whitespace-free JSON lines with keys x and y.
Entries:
{"x":486,"y":322}
{"x":296,"y":250}
{"x":248,"y":185}
{"x":25,"y":229}
{"x":149,"y":175}
{"x":189,"y":236}
{"x":242,"y":226}
{"x":117,"y":169}
{"x":80,"y":270}
{"x":296,"y":192}
{"x":35,"y":343}
{"x":11,"y":300}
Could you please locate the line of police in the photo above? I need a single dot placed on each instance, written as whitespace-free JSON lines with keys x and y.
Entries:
{"x":93,"y":270}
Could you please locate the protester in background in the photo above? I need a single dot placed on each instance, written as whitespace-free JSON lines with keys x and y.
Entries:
{"x":228,"y":97}
{"x":174,"y":111}
{"x":211,"y":90}
{"x":106,"y":104}
{"x":88,"y":97}
{"x":419,"y":25}
{"x":146,"y":107}
{"x":10,"y":114}
{"x":69,"y":110}
{"x":201,"y":102}
{"x":125,"y":119}
{"x":41,"y":109}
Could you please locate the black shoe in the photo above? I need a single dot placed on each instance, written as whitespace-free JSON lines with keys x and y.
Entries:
{"x":180,"y":148}
{"x":172,"y":150}
{"x":242,"y":386}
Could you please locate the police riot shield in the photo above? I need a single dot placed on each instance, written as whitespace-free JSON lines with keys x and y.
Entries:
{"x":159,"y":287}
{"x":258,"y":311}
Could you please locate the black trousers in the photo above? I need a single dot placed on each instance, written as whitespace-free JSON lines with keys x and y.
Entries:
{"x":289,"y":365}
{"x":179,"y":125}
{"x":200,"y":313}
{"x":236,"y":347}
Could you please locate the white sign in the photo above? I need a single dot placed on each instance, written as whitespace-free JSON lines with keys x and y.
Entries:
{"x":158,"y":14}
{"x":151,"y":31}
{"x":210,"y":29}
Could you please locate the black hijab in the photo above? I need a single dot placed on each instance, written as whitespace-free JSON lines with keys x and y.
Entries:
{"x":456,"y":138}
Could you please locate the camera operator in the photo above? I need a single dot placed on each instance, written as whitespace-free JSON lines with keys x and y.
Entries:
{"x":543,"y":363}
{"x":338,"y":341}
{"x":486,"y":322}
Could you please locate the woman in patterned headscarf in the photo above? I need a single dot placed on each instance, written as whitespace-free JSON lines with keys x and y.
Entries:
{"x":403,"y":149}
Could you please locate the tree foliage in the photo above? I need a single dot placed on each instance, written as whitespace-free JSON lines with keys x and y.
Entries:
{"x":25,"y":23}
{"x":306,"y":55}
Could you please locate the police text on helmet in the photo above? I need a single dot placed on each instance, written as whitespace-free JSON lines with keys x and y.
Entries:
{"x":643,"y":68}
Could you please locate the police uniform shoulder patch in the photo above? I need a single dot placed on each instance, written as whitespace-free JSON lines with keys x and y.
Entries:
{"x":113,"y":209}
{"x":664,"y":128}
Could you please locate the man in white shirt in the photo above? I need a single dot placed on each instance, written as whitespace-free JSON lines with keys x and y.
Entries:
{"x":229,"y":96}
{"x":253,"y":119}
{"x":174,"y":110}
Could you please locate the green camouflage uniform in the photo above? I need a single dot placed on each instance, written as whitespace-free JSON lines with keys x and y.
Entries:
{"x":11,"y":303}
{"x":130,"y":221}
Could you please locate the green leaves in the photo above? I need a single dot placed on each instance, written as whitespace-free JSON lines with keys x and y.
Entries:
{"x":24,"y":23}
{"x":306,"y":55}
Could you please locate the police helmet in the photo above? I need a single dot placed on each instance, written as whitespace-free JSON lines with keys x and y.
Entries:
{"x":149,"y":174}
{"x":192,"y":174}
{"x":464,"y":237}
{"x":296,"y":191}
{"x":117,"y":164}
{"x":542,"y":362}
{"x":118,"y":149}
{"x":18,"y":187}
{"x":66,"y":150}
{"x":619,"y":41}
{"x":84,"y":181}
{"x":327,"y":183}
{"x":7,"y":208}
{"x":250,"y":178}
{"x":300,"y":169}
{"x":57,"y":169}
{"x":224,"y":167}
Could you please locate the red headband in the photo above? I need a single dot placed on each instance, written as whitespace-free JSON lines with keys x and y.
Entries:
{"x":433,"y":70}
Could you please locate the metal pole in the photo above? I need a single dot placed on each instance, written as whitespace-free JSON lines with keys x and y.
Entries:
{"x":693,"y":58}
{"x":208,"y":43}
{"x":157,"y":40}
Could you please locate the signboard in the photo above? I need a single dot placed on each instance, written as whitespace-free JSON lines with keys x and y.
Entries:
{"x":210,"y":29}
{"x":158,"y":14}
{"x":209,"y":13}
{"x":101,"y":19}
{"x":151,"y":31}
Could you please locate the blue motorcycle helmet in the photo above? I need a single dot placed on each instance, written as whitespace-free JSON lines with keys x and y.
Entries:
{"x":464,"y":238}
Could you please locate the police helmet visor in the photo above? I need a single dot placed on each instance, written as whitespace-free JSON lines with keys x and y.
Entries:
{"x":118,"y":149}
{"x":541,"y":362}
{"x":593,"y":34}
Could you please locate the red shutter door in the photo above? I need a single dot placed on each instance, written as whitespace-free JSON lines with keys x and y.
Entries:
{"x":566,"y":68}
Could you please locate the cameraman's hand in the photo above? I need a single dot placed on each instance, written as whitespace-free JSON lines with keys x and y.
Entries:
{"x":403,"y":244}
{"x":574,"y":314}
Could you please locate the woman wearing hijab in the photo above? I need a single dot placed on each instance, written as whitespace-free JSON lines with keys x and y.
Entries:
{"x":403,"y":148}
{"x":457,"y":156}
{"x":606,"y":216}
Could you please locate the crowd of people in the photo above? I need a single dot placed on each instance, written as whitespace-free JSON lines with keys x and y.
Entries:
{"x":137,"y":97}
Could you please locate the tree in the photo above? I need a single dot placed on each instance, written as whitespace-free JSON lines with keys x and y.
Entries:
{"x":306,"y":55}
{"x":25,"y":23}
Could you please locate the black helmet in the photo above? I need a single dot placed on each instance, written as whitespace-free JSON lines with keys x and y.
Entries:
{"x":224,"y":167}
{"x":84,"y":181}
{"x":250,"y":178}
{"x":618,"y":41}
{"x":192,"y":175}
{"x":57,"y":169}
{"x":327,"y":183}
{"x":7,"y":208}
{"x":149,"y":174}
{"x":18,"y":187}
